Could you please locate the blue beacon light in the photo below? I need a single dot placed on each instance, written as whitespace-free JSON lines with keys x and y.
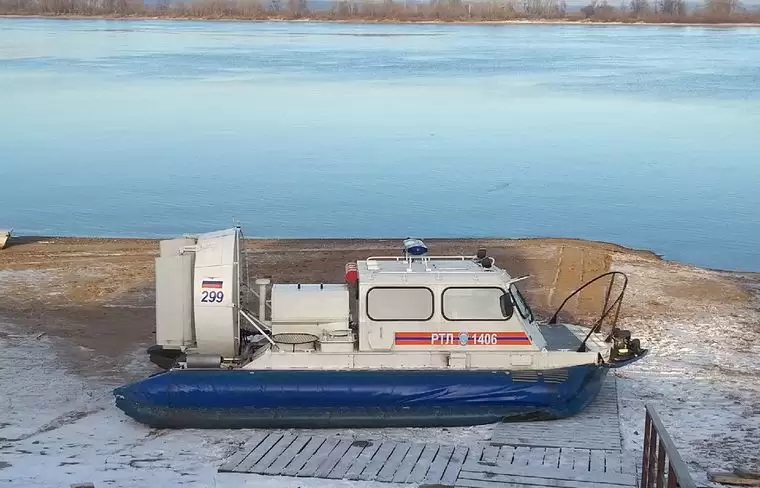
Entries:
{"x":415,"y":247}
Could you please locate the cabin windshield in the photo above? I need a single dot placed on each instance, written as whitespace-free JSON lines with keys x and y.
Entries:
{"x":520,"y":303}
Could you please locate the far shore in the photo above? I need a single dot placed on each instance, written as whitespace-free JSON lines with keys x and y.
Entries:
{"x":363,"y":21}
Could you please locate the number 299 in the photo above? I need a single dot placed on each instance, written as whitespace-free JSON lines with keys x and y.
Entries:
{"x":212,"y":296}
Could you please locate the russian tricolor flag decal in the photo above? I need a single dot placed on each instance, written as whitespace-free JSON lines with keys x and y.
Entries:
{"x":212,"y":284}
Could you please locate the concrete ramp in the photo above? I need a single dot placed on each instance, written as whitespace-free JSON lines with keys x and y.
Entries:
{"x":5,"y":236}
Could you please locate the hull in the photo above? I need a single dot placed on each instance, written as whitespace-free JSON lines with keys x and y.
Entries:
{"x":199,"y":398}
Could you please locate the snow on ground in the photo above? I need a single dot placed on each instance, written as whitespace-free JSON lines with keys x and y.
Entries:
{"x":11,"y":281}
{"x":702,"y":376}
{"x":57,"y":429}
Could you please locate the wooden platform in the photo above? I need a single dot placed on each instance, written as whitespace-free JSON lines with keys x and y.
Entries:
{"x":570,"y":453}
{"x":597,"y":427}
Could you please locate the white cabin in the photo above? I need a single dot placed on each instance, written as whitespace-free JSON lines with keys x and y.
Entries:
{"x":441,"y":303}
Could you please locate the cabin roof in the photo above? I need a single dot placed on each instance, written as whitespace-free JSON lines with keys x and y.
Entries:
{"x":434,"y":270}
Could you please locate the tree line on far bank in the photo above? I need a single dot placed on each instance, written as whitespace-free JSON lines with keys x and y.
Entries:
{"x":631,"y":11}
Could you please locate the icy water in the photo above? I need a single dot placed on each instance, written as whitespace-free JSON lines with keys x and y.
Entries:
{"x":644,"y":136}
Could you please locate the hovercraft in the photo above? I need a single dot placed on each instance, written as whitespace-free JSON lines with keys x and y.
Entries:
{"x":407,"y":340}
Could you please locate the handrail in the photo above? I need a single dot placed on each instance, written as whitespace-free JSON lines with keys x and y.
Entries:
{"x":605,"y":309}
{"x":419,"y":258}
{"x":659,"y":448}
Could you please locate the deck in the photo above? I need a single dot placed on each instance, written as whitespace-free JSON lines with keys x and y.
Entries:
{"x":583,"y":451}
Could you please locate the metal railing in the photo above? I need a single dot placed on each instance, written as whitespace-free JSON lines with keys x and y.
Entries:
{"x":607,"y":307}
{"x":661,"y":465}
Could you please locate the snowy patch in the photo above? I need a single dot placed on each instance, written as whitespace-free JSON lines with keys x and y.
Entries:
{"x":702,"y":379}
{"x":702,"y":375}
{"x":11,"y":278}
{"x":59,"y":429}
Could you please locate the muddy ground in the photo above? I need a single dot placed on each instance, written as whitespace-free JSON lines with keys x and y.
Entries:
{"x":94,"y":297}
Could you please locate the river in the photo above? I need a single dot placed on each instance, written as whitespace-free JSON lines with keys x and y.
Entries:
{"x":647,"y":136}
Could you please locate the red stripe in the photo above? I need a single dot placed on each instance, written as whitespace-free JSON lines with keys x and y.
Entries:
{"x":513,"y":335}
{"x":514,"y":338}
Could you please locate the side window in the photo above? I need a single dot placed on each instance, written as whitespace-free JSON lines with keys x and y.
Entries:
{"x":400,"y":303}
{"x":472,"y":304}
{"x":520,"y":303}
